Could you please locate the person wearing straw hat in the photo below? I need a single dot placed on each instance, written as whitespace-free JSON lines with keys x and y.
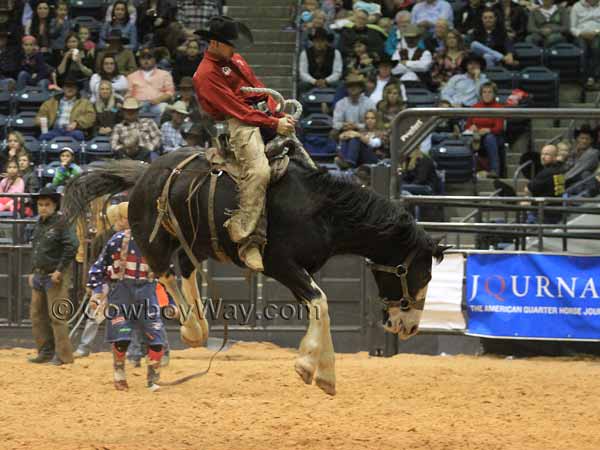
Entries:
{"x":135,"y":138}
{"x":251,"y":118}
{"x":171,"y":131}
{"x":53,"y":251}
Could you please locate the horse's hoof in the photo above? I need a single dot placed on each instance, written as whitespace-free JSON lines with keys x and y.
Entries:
{"x":326,"y":386}
{"x":193,"y":342}
{"x":305,"y":373}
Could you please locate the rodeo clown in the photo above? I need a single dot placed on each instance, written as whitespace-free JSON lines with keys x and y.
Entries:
{"x":251,"y":118}
{"x":131,"y":301}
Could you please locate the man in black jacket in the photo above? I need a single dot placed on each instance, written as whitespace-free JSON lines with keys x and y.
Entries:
{"x":550,"y":181}
{"x":53,"y":251}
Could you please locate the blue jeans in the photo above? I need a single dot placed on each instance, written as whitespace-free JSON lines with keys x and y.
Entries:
{"x":491,"y":56}
{"x":357,"y":153}
{"x":493,"y":147}
{"x":148,"y":107}
{"x":89,"y":333}
{"x":25,"y":79}
{"x":59,"y":132}
{"x":138,"y":347}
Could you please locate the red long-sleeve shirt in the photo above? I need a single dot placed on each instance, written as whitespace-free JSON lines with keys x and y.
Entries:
{"x":217,"y":84}
{"x":495,"y":125}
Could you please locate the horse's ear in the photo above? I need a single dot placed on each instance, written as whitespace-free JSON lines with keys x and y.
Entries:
{"x":438,"y":249}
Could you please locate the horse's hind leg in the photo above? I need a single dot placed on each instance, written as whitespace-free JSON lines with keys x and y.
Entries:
{"x":191,"y":330}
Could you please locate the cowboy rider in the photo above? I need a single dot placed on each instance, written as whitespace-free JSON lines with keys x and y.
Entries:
{"x":251,"y":118}
{"x":131,"y":301}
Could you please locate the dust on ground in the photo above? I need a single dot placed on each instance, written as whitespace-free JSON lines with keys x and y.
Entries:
{"x":252,"y":399}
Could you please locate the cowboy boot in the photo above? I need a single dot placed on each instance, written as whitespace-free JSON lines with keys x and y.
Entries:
{"x":252,"y":258}
{"x":153,"y":369}
{"x":119,"y":369}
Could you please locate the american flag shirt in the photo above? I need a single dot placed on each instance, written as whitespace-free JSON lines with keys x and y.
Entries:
{"x":112,"y":266}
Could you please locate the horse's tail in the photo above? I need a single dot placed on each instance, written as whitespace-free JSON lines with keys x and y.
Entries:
{"x":105,"y":178}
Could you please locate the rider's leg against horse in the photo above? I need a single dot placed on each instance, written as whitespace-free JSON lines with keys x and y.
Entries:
{"x":191,"y":331}
{"x":193,"y":297}
{"x":249,"y":149}
{"x":255,"y":243}
{"x":119,"y":352}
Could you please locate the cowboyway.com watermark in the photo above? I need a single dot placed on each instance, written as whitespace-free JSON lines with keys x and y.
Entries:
{"x":240,"y":313}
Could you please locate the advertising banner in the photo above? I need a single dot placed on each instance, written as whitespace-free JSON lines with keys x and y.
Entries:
{"x":533,"y":296}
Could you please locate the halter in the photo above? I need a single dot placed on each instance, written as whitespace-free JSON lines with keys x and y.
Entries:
{"x":401,"y":271}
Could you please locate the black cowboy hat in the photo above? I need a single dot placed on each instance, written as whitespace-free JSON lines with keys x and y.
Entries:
{"x":472,"y":57}
{"x":321,"y":33}
{"x":71,"y":79}
{"x":225,"y":29}
{"x":116,"y":34}
{"x":49,"y":192}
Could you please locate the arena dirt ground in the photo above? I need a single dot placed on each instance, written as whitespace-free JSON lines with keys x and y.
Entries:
{"x":252,"y":399}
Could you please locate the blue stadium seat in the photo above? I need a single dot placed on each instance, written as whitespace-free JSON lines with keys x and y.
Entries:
{"x":567,"y":60}
{"x":528,"y":55}
{"x":30,"y":99}
{"x":315,"y":135}
{"x":3,"y":125}
{"x":542,"y":84}
{"x":456,"y":160}
{"x":49,"y":171}
{"x":6,"y":103}
{"x":95,"y":149}
{"x":420,"y":98}
{"x":311,"y":100}
{"x":90,"y":8}
{"x":503,"y":78}
{"x":24,"y":122}
{"x":34,"y":148}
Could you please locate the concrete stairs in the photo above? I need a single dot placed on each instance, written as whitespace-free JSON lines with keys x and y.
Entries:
{"x":272,"y":55}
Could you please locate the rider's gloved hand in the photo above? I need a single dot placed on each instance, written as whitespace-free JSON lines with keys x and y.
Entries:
{"x":286,"y":126}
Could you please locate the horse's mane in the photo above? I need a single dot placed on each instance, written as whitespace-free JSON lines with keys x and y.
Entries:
{"x":351,"y":206}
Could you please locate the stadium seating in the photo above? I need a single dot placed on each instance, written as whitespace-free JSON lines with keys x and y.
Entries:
{"x":49,"y":171}
{"x":96,"y":149}
{"x":5,"y":103}
{"x":90,"y":8}
{"x":567,"y":60}
{"x":542,"y":83}
{"x":311,"y":100}
{"x":24,"y":122}
{"x":30,"y":99}
{"x":420,"y":98}
{"x":528,"y":55}
{"x":89,"y":22}
{"x":503,"y":78}
{"x":53,"y":147}
{"x":456,"y":160}
{"x":3,"y":123}
{"x":34,"y":148}
{"x":315,"y":135}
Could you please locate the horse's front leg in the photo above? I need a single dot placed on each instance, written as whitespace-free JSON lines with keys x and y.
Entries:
{"x":193,"y":296}
{"x":326,"y":367}
{"x":191,"y":330}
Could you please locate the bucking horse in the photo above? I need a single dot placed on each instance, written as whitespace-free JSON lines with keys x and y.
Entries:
{"x":311,"y":215}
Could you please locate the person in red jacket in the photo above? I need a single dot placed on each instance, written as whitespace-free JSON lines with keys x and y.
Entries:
{"x":487,"y":131}
{"x":251,"y":118}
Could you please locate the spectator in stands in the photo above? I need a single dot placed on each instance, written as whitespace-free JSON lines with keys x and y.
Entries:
{"x":135,"y":138}
{"x":194,"y":135}
{"x":149,"y":85}
{"x":72,"y":63}
{"x":514,"y":18}
{"x":384,"y":76}
{"x":109,"y":71}
{"x":30,"y":179}
{"x":9,"y":61}
{"x":585,"y":19}
{"x":418,"y":174}
{"x":391,"y":104}
{"x":359,"y":27}
{"x":154,"y":19}
{"x":195,"y":14}
{"x":564,"y":152}
{"x":548,"y":24}
{"x":361,"y":61}
{"x":67,"y":114}
{"x":40,"y":29}
{"x":53,"y":252}
{"x":187,"y":63}
{"x":123,"y":56}
{"x":12,"y":183}
{"x":60,"y":27}
{"x":67,"y":170}
{"x":469,"y":16}
{"x":413,"y":62}
{"x":34,"y":70}
{"x":108,"y":109}
{"x":463,"y":89}
{"x":437,"y":40}
{"x":426,"y":13}
{"x":320,"y":65}
{"x":584,"y":158}
{"x":491,"y":41}
{"x":319,"y":20}
{"x":120,"y":21}
{"x":548,"y":182}
{"x":15,"y":145}
{"x":488,"y":132}
{"x":131,"y":10}
{"x":361,"y":147}
{"x":89,"y":46}
{"x":188,"y":97}
{"x":448,"y":61}
{"x":395,"y":40}
{"x":170,"y":131}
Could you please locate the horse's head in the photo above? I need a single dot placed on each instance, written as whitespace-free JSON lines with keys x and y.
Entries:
{"x":402,"y":284}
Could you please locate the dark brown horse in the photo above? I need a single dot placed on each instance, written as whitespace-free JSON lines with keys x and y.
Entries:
{"x":312,"y":216}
